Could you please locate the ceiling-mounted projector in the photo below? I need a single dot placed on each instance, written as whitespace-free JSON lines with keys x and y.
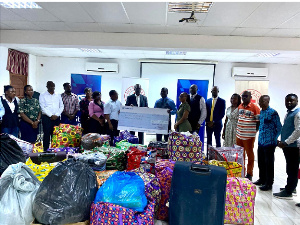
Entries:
{"x":191,"y":19}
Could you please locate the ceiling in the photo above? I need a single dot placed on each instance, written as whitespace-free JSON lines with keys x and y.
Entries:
{"x":248,"y":19}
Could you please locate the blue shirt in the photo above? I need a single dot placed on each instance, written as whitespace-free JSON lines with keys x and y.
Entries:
{"x":166,"y":103}
{"x":269,"y":127}
{"x":2,"y":110}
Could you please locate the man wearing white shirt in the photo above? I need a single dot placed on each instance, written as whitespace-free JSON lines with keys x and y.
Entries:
{"x":52,"y":107}
{"x":111,"y":114}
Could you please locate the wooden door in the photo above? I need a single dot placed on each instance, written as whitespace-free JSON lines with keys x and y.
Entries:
{"x":18,"y":82}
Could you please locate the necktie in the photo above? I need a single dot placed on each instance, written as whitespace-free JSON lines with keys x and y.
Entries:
{"x":212,"y":110}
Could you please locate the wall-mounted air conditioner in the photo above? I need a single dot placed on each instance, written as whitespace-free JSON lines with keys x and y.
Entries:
{"x":248,"y":72}
{"x":102,"y":67}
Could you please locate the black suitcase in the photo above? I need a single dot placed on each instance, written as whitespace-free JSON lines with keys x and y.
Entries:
{"x":40,"y":157}
{"x":197,"y":194}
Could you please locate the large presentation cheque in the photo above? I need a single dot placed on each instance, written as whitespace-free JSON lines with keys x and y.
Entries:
{"x":149,"y":120}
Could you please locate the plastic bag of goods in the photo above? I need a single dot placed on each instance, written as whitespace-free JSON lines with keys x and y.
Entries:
{"x":18,"y":187}
{"x":66,"y":194}
{"x":126,"y":189}
{"x":92,"y":140}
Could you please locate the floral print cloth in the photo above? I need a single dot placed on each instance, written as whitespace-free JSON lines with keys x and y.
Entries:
{"x":66,"y":135}
{"x":240,"y":200}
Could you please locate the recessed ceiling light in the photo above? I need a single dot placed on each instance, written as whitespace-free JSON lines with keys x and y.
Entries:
{"x":93,"y":50}
{"x":175,"y":53}
{"x":20,"y":5}
{"x":188,"y":7}
{"x":267,"y":54}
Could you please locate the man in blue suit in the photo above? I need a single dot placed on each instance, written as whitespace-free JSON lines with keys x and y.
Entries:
{"x":138,"y":100}
{"x":215,"y":107}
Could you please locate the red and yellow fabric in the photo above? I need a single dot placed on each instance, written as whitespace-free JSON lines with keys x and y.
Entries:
{"x":66,"y":135}
{"x":234,"y":169}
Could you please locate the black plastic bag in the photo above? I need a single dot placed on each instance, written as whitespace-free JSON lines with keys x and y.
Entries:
{"x":10,"y":152}
{"x":66,"y":194}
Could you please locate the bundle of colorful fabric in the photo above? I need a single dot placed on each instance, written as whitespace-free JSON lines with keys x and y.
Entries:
{"x":240,"y":200}
{"x":164,"y":171}
{"x":66,"y":135}
{"x":234,"y":169}
{"x":24,"y":145}
{"x":116,"y":158}
{"x":124,"y":144}
{"x":185,"y":147}
{"x":152,"y":186}
{"x":127,"y":192}
{"x":125,"y":135}
{"x":229,"y":154}
{"x":134,"y":158}
{"x":68,"y":150}
{"x":42,"y":170}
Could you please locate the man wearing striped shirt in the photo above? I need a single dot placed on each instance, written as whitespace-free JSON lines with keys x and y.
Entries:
{"x":71,"y":105}
{"x":247,"y":127}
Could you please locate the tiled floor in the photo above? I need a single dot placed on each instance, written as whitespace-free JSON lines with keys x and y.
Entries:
{"x":270,"y":210}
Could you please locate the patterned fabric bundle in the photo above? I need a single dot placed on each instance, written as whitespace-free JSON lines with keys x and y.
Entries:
{"x":66,"y":135}
{"x":160,"y":147}
{"x":116,"y":158}
{"x":38,"y":147}
{"x":68,"y":150}
{"x":164,"y":171}
{"x":184,"y":147}
{"x":134,"y":158}
{"x":125,"y":135}
{"x":102,"y":176}
{"x":234,"y":169}
{"x":42,"y":170}
{"x":24,"y":145}
{"x":103,"y":213}
{"x":229,"y":154}
{"x":152,"y":188}
{"x":124,"y":144}
{"x":240,"y":200}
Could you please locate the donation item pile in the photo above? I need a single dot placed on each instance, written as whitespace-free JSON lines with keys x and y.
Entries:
{"x":83,"y":180}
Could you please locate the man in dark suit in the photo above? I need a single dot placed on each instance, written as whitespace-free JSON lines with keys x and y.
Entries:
{"x":215,"y":107}
{"x":138,"y":100}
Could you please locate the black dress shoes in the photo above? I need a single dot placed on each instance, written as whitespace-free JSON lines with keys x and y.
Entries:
{"x":259,"y":182}
{"x":266,"y":188}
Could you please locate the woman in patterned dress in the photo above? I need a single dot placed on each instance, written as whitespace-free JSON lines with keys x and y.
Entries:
{"x":232,"y":115}
{"x":30,"y":112}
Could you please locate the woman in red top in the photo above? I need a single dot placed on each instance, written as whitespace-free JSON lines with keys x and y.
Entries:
{"x":96,"y":113}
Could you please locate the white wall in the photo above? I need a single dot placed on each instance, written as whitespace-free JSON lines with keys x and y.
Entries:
{"x":4,"y":74}
{"x":283,"y":79}
{"x":59,"y":70}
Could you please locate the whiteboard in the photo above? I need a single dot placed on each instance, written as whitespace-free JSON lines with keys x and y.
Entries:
{"x":166,"y":75}
{"x":142,"y":119}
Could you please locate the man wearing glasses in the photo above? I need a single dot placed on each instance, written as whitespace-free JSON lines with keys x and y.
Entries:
{"x":247,"y":127}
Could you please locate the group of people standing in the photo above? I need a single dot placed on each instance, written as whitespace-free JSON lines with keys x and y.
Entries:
{"x":24,"y":115}
{"x":243,"y":120}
